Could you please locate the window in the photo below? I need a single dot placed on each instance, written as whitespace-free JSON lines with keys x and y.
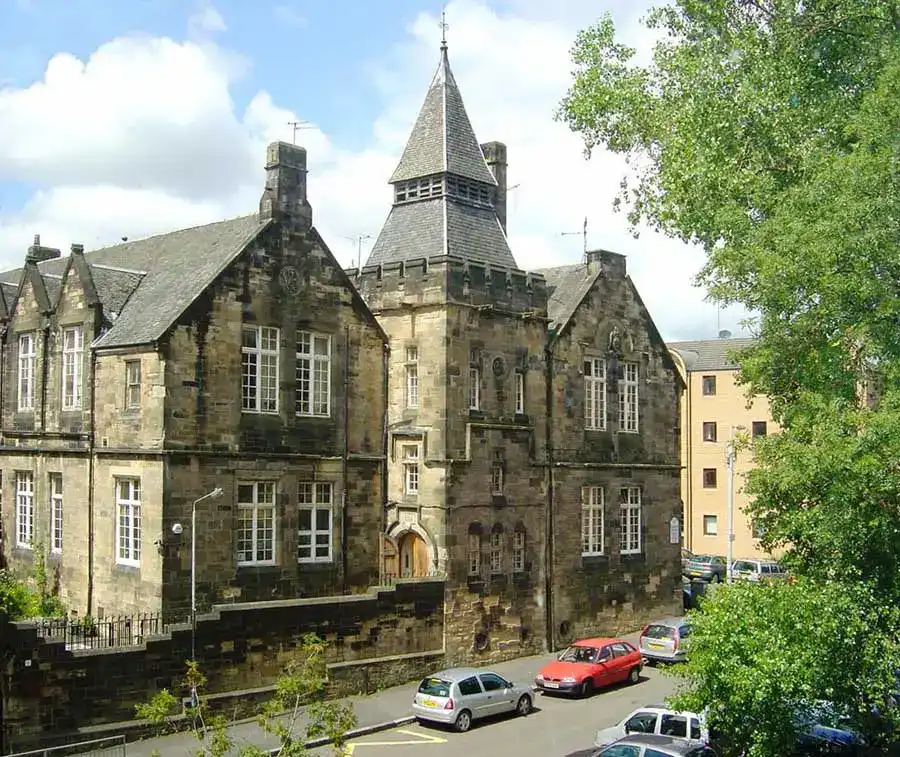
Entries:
{"x":314,"y":536}
{"x":259,"y":370}
{"x":709,"y":431}
{"x":469,"y":687}
{"x":128,"y":521}
{"x":630,"y":520}
{"x":709,"y":478}
{"x":520,"y":392}
{"x":641,"y":722}
{"x":674,"y":725}
{"x":710,"y":525}
{"x":73,"y":347}
{"x":474,"y":553}
{"x":592,"y":520}
{"x":56,"y":512}
{"x":313,"y":374}
{"x":412,"y":376}
{"x":133,"y":384}
{"x":628,"y":398}
{"x":759,"y":428}
{"x":595,"y":393}
{"x":519,"y":551}
{"x":26,"y":372}
{"x":497,"y":468}
{"x":410,"y":454}
{"x":25,"y":509}
{"x":625,"y":750}
{"x":709,"y":386}
{"x":256,"y":523}
{"x":474,"y":388}
{"x":758,"y":530}
{"x":496,"y":550}
{"x":492,"y":682}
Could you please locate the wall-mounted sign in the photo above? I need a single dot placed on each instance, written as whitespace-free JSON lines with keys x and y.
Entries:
{"x":674,"y":531}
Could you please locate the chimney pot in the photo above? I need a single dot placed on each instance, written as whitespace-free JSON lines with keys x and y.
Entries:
{"x":37,"y":240}
{"x":495,"y":157}
{"x":77,"y":249}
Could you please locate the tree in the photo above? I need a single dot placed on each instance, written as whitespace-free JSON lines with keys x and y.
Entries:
{"x":297,"y":713}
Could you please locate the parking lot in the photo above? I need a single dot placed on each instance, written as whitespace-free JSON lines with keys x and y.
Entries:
{"x":559,"y":727}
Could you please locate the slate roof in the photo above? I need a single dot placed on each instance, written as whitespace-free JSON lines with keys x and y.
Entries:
{"x":442,"y":138}
{"x":172,"y":270}
{"x":710,"y":354}
{"x":567,"y":286}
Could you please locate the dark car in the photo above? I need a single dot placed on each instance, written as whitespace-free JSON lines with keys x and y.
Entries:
{"x":712,"y":568}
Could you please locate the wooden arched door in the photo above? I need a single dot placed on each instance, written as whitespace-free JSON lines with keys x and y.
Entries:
{"x":413,"y":555}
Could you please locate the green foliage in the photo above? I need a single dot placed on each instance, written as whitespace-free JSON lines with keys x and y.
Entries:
{"x":23,"y":598}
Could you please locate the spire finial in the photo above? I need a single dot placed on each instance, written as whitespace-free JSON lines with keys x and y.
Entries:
{"x":444,"y":26}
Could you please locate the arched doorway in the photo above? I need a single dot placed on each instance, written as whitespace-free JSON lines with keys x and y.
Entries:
{"x":413,"y":555}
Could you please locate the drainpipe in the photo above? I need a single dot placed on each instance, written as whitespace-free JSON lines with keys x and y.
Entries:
{"x":385,"y":367}
{"x":549,"y":519}
{"x":45,"y":370}
{"x":346,"y":476}
{"x":90,"y":502}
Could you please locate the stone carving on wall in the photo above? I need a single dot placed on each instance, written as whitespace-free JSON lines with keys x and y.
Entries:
{"x":289,"y":279}
{"x":614,"y":343}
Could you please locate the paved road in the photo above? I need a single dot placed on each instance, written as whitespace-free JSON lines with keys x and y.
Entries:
{"x":559,"y":727}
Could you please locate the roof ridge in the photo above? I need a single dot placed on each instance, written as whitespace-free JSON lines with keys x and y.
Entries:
{"x":117,"y":269}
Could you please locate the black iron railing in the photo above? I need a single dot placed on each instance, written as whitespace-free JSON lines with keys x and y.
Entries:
{"x":106,"y":633}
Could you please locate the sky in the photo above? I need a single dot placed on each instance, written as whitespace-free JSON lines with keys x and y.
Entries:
{"x":130,"y":118}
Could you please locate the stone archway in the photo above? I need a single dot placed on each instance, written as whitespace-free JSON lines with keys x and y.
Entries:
{"x":413,"y":554}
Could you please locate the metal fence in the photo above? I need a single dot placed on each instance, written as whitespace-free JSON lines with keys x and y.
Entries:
{"x":109,"y":633}
{"x":111,"y":746}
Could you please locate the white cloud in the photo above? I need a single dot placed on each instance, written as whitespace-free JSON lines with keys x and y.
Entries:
{"x":153,"y":142}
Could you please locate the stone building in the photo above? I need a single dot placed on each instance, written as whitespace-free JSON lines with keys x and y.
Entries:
{"x":140,"y":377}
{"x":533,"y":428}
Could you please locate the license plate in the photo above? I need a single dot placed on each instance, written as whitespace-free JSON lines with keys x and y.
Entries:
{"x":429,"y":703}
{"x":551,"y":684}
{"x":654,"y":646}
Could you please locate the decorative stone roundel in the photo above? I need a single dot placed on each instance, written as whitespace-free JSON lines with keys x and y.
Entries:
{"x":289,"y":279}
{"x":498,"y":366}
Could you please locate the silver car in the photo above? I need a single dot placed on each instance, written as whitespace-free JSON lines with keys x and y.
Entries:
{"x":757,"y":571}
{"x":460,"y":695}
{"x":653,"y":745}
{"x":665,"y":640}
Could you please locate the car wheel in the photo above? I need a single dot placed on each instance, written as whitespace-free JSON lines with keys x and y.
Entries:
{"x":463,"y":721}
{"x":634,"y":675}
{"x":587,"y":688}
{"x":523,"y":707}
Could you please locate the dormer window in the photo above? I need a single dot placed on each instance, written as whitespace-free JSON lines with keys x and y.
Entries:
{"x":73,"y":347}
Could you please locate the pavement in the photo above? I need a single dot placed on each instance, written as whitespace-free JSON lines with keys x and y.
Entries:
{"x":556,"y":726}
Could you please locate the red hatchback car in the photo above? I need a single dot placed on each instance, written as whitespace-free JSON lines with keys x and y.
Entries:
{"x":591,"y":664}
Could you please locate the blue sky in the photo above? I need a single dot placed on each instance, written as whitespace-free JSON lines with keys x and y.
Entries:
{"x":139,"y":116}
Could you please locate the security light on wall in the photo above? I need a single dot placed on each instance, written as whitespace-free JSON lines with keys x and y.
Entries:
{"x":177,"y":529}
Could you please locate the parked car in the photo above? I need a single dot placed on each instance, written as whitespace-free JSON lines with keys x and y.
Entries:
{"x":686,"y":556}
{"x":757,"y":570}
{"x":590,"y":664}
{"x":654,"y":745}
{"x":659,"y":719}
{"x":708,"y":567}
{"x":459,"y":696}
{"x":665,"y":640}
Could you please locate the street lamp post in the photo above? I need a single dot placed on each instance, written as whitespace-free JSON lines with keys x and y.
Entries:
{"x":214,"y":494}
{"x":730,"y":455}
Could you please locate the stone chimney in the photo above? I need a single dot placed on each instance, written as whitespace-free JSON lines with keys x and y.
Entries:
{"x":284,"y":197}
{"x":495,"y":157}
{"x":611,"y":263}
{"x":37,"y":253}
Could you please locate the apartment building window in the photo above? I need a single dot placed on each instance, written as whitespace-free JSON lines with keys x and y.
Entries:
{"x":26,"y":372}
{"x":128,"y":521}
{"x":630,"y":520}
{"x":474,"y":388}
{"x":595,"y":393}
{"x":25,"y":509}
{"x":259,"y":369}
{"x":710,"y":525}
{"x":709,"y":478}
{"x":313,"y":374}
{"x":520,"y":392}
{"x":592,"y":503}
{"x":628,"y":398}
{"x":412,"y":376}
{"x":133,"y":384}
{"x":519,"y":550}
{"x":410,"y":456}
{"x":759,"y":428}
{"x":758,"y":530}
{"x":709,"y":431}
{"x":72,"y":364}
{"x":56,"y":512}
{"x":473,"y":550}
{"x":496,"y":550}
{"x":256,"y":523}
{"x":497,"y":473}
{"x":709,"y":386}
{"x":315,"y":510}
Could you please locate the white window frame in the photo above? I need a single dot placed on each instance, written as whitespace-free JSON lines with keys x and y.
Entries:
{"x":715,"y":522}
{"x":132,"y":384}
{"x":498,"y":477}
{"x":628,"y":398}
{"x":593,"y":520}
{"x":520,"y":392}
{"x":313,"y":374}
{"x":630,"y":520}
{"x":412,"y":376}
{"x":411,"y":455}
{"x":518,"y":551}
{"x":25,"y":509}
{"x":56,"y":513}
{"x":474,"y":388}
{"x":254,"y":509}
{"x":496,"y":544}
{"x":260,"y":369}
{"x":129,"y":529}
{"x":595,"y":393}
{"x":26,"y":360}
{"x":473,"y":554}
{"x":315,"y":497}
{"x":72,"y":367}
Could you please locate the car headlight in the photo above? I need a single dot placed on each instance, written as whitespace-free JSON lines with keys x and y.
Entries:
{"x":539,"y":677}
{"x":568,"y":679}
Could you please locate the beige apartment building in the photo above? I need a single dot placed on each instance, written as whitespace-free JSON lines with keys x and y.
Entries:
{"x":713,"y":408}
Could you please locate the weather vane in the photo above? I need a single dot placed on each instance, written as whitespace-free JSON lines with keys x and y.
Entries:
{"x":444,"y":26}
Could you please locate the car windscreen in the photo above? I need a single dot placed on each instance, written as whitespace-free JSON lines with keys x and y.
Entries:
{"x":435,"y":687}
{"x":657,"y":631}
{"x":579,"y":654}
